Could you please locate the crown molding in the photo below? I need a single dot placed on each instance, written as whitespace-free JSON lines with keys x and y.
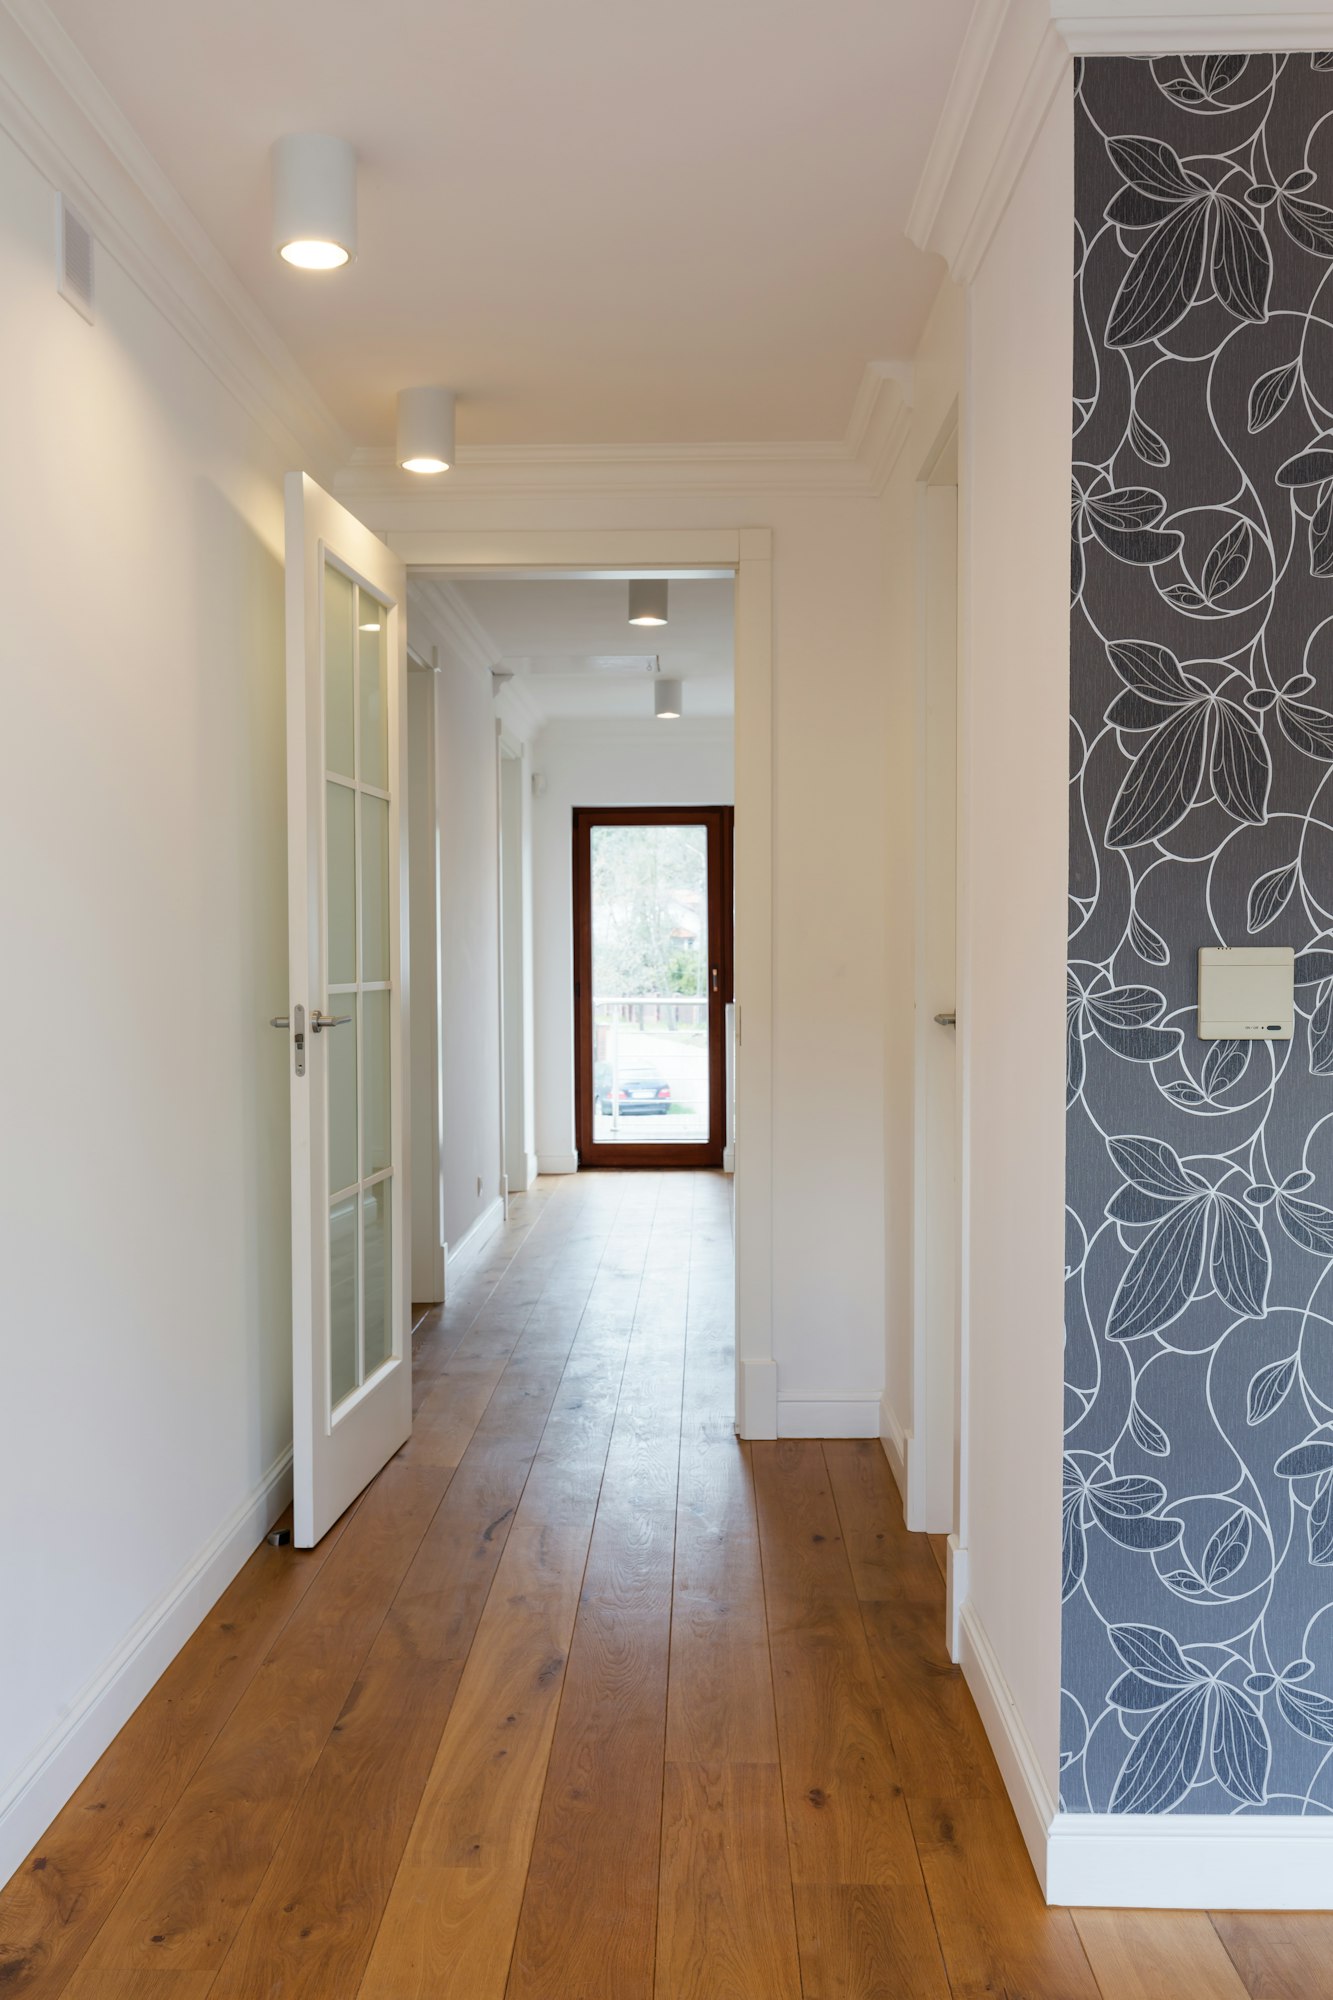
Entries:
{"x":58,"y":114}
{"x":517,"y":710}
{"x":1014,"y":57}
{"x":857,"y":463}
{"x":436,"y":604}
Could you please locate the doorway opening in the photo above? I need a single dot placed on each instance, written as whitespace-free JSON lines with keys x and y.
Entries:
{"x":652,"y":982}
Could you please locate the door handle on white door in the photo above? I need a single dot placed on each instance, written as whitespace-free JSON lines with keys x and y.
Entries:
{"x":320,"y":1021}
{"x":298,"y":1037}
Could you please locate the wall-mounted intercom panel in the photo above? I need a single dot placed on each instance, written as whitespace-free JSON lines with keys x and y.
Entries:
{"x":1247,"y":994}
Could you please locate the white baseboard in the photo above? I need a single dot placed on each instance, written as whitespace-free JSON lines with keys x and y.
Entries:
{"x":955,"y":1597}
{"x":1147,"y":1861}
{"x":757,"y":1415}
{"x":478,"y":1233}
{"x":63,"y":1761}
{"x":1029,"y":1793}
{"x":728,"y":1159}
{"x":831,"y":1417}
{"x":1182,"y":1861}
{"x":557,"y":1163}
{"x":894,"y":1440}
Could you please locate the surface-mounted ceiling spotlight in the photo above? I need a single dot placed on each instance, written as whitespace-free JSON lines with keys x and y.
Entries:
{"x":314,"y":200}
{"x":425,"y":429}
{"x":666,"y":700}
{"x":648,"y":600}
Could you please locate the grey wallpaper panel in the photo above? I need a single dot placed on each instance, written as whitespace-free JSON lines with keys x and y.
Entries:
{"x":1198,"y":1497}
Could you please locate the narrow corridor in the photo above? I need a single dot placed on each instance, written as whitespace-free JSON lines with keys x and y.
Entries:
{"x":585,"y":1700}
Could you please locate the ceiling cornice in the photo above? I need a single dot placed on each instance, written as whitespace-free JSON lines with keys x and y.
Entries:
{"x":60,"y":116}
{"x":435,"y":604}
{"x":1015,"y":54}
{"x":857,"y":463}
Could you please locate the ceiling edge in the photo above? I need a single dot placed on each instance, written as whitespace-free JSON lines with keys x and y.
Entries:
{"x":1015,"y":55}
{"x":63,"y":120}
{"x":857,"y":463}
{"x":434,"y":602}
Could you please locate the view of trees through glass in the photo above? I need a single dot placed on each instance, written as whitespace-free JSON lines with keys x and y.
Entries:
{"x":650,"y":982}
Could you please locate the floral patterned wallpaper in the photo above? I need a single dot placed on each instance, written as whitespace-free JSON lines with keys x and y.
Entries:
{"x":1198,"y":1492}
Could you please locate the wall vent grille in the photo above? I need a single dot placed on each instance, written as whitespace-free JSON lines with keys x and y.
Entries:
{"x":74,"y":259}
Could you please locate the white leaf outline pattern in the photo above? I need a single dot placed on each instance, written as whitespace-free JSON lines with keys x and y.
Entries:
{"x":1198,"y":1497}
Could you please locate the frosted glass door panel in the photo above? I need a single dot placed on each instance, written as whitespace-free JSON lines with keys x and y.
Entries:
{"x":374,"y":887}
{"x":342,"y":1103}
{"x":374,"y":706}
{"x":343,"y":1290}
{"x":341,"y":883}
{"x":377,"y":1238}
{"x":376,"y":1070}
{"x":339,"y":693}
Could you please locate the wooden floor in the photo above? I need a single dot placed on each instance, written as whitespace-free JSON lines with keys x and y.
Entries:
{"x":586,"y":1701}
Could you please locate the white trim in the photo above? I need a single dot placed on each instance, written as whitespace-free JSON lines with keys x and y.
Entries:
{"x":1179,"y":1861}
{"x":757,"y":1397}
{"x":433,"y":601}
{"x":828,"y":1417}
{"x":955,"y":1596}
{"x":728,"y":1159}
{"x":858,"y":462}
{"x":60,"y":1764}
{"x":1020,"y":1767}
{"x":557,"y":1163}
{"x":474,"y":1239}
{"x":894,"y":1440}
{"x":1015,"y":55}
{"x":60,"y":116}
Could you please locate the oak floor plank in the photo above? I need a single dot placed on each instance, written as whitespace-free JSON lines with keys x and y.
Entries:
{"x":888,"y":1563}
{"x":588,"y":1923}
{"x":1157,"y":1955}
{"x":996,"y":1932}
{"x":449,"y":1925}
{"x":313,"y":1920}
{"x":1279,"y":1955}
{"x":847,"y":1822}
{"x":938,"y":1738}
{"x":57,"y":1901}
{"x":726,"y":1926}
{"x":181,"y":1907}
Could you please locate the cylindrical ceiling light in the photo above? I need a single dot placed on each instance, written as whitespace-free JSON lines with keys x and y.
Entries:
{"x":425,"y":429}
{"x":648,"y":601}
{"x":314,"y":200}
{"x":666,"y":700}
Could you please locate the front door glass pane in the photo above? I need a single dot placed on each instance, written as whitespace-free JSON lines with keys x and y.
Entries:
{"x":650,"y":977}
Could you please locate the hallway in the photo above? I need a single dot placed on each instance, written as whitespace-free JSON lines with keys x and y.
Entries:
{"x":583,"y":1700}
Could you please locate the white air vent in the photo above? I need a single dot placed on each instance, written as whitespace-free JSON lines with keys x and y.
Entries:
{"x":74,"y":259}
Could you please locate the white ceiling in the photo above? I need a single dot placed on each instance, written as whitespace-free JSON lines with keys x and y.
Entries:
{"x":600,"y":221}
{"x":550,"y":636}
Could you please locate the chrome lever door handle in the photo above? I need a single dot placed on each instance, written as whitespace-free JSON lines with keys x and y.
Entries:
{"x":946,"y":1020}
{"x":320,"y":1021}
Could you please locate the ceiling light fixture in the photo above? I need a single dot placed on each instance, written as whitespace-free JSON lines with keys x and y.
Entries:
{"x":314,"y":200}
{"x":425,"y":429}
{"x":648,"y":600}
{"x":666,"y":700}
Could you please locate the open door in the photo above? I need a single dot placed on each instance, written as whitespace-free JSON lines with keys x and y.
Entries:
{"x":347,"y":1012}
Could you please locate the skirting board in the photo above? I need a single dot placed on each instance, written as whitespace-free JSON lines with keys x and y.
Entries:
{"x":832,"y":1417}
{"x":1151,"y":1861}
{"x":478,"y":1233}
{"x":557,"y":1163}
{"x":64,"y":1760}
{"x":895,"y":1442}
{"x":757,"y":1387}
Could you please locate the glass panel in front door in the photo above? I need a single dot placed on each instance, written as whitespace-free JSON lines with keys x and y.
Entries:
{"x":650,"y":984}
{"x":356,"y":935}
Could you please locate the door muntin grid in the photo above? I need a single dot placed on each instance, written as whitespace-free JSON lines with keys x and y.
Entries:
{"x":357,"y":968}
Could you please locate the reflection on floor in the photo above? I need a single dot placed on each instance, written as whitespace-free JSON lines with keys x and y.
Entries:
{"x":584,"y":1700}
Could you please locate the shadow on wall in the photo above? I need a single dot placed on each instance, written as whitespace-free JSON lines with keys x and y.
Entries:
{"x":1198,"y":1505}
{"x":241,"y":904}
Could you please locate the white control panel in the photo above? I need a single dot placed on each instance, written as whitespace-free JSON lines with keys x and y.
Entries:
{"x":1247,"y":994}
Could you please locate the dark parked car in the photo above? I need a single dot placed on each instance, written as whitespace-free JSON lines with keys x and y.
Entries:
{"x":638,"y":1091}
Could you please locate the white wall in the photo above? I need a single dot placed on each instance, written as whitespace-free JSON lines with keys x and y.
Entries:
{"x":937,"y":377}
{"x":423,"y":975}
{"x":145,"y":1328}
{"x":467,"y":806}
{"x":520,"y":1147}
{"x":831,"y":708}
{"x":612,"y":763}
{"x":1016,"y":706}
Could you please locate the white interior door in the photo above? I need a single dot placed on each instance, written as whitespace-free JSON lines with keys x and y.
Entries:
{"x":347,"y":1012}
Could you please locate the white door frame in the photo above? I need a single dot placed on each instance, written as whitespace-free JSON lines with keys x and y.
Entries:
{"x":747,"y":554}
